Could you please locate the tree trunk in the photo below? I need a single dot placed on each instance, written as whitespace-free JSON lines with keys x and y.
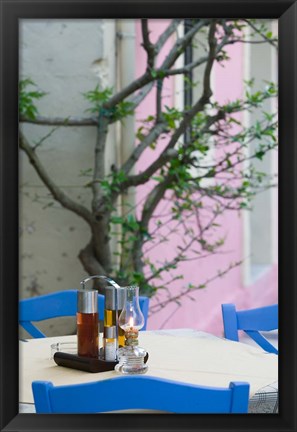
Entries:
{"x":96,"y":256}
{"x":101,"y":242}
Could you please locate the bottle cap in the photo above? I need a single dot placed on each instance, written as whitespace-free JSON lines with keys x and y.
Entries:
{"x":87,"y":301}
{"x":110,"y":298}
{"x":120,"y":298}
{"x":110,"y":332}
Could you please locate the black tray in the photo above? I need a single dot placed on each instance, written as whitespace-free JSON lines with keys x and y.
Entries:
{"x":87,"y":364}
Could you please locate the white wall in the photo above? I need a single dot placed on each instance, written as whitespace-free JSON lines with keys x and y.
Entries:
{"x":261,"y":223}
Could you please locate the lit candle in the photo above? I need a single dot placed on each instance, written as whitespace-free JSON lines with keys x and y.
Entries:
{"x":131,"y":333}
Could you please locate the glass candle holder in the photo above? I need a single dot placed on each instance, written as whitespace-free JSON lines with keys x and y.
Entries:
{"x":131,"y":320}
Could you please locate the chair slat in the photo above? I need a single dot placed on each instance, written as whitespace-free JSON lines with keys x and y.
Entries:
{"x":140,"y":392}
{"x":251,"y":322}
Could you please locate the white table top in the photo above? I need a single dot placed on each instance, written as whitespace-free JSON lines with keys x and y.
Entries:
{"x":182,"y":354}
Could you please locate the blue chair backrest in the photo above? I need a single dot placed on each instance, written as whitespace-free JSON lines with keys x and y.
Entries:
{"x":139,"y":392}
{"x":251,"y":322}
{"x":58,"y":304}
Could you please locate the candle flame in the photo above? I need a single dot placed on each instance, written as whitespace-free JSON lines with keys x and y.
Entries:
{"x":131,"y":322}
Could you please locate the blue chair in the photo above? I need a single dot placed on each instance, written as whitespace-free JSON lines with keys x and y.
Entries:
{"x":251,"y":322}
{"x":139,"y":392}
{"x":58,"y":304}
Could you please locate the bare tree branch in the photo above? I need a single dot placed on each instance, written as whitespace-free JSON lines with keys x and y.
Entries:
{"x":190,"y":66}
{"x":99,"y":164}
{"x":266,"y":39}
{"x":137,"y":99}
{"x":188,"y":117}
{"x":147,"y":77}
{"x":151,"y":137}
{"x":143,"y":177}
{"x":60,"y":121}
{"x":128,"y":90}
{"x":166,"y":34}
{"x":57,"y":193}
{"x":140,"y":96}
{"x":89,"y":260}
{"x":147,"y":45}
{"x":182,"y":43}
{"x":159,"y":101}
{"x":251,"y":41}
{"x":153,"y":199}
{"x":187,"y":68}
{"x":207,"y":92}
{"x":44,"y":138}
{"x":151,"y":203}
{"x":160,"y":305}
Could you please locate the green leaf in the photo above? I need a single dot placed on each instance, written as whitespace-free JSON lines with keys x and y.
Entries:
{"x":154,"y":73}
{"x":161,"y":74}
{"x":98,"y":97}
{"x":233,"y":120}
{"x":116,"y":220}
{"x":229,"y":164}
{"x":27,"y":99}
{"x":249,"y":83}
{"x":260,"y":154}
{"x":139,"y":134}
{"x":158,"y":178}
{"x":149,"y":118}
{"x":211,"y":173}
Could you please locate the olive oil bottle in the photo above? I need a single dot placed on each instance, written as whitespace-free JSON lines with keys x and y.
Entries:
{"x":114,"y":301}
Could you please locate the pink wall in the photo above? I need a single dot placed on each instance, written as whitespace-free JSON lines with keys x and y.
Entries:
{"x":205,"y":312}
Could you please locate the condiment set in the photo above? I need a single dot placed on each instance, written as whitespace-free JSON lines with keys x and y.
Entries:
{"x":122,"y":321}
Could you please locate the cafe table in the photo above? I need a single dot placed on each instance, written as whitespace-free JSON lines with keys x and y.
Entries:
{"x":185,"y":355}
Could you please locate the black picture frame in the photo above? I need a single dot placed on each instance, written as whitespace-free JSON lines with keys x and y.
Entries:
{"x":13,"y":10}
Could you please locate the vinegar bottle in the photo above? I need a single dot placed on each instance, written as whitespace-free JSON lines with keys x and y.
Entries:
{"x":87,"y":323}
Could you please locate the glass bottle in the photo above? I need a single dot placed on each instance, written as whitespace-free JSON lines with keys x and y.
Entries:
{"x":110,"y":343}
{"x":114,"y":303}
{"x":120,"y":307}
{"x":87,"y":323}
